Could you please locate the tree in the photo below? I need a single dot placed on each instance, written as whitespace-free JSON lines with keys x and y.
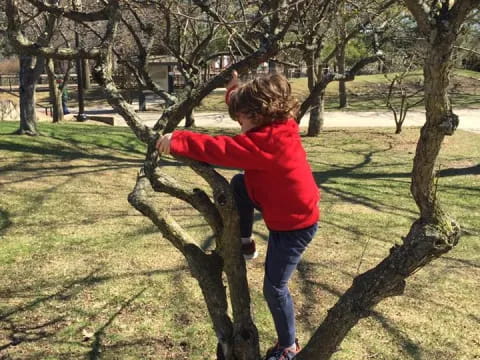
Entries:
{"x":431,"y":235}
{"x":312,"y":32}
{"x":399,"y":89}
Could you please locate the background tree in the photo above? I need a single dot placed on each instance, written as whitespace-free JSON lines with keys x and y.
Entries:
{"x":400,"y":97}
{"x":313,"y":32}
{"x":430,"y":236}
{"x":31,"y":67}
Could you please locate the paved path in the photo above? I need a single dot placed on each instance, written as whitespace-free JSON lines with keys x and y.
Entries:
{"x":469,"y":118}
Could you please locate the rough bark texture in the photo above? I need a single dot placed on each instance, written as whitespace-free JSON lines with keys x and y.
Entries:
{"x":55,"y":93}
{"x":30,"y":70}
{"x":317,"y":115}
{"x":434,"y":233}
{"x":86,"y":74}
{"x":342,"y":84}
{"x":189,"y":119}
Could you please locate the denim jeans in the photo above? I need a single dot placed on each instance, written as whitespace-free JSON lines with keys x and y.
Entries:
{"x":285,"y":249}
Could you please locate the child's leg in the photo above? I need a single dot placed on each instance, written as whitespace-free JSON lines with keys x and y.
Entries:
{"x":244,"y":204}
{"x":245,"y":208}
{"x":284,"y":252}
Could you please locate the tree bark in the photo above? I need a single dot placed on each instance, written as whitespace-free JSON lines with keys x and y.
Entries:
{"x":55,"y":92}
{"x":189,"y":119}
{"x":317,"y":115}
{"x":342,"y":40}
{"x":342,"y":84}
{"x":30,"y":70}
{"x":86,"y":74}
{"x":434,"y":233}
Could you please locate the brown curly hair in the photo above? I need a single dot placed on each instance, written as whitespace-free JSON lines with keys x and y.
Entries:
{"x":264,"y":100}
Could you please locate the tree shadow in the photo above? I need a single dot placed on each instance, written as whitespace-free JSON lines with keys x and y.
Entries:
{"x":62,"y":152}
{"x":20,"y":327}
{"x":410,"y":347}
{"x":309,"y":287}
{"x":55,"y":171}
{"x":19,"y":333}
{"x":5,"y":222}
{"x":95,"y":353}
{"x":464,"y":262}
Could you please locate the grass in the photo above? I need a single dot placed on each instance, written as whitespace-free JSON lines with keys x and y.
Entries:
{"x":84,"y":275}
{"x":367,"y":92}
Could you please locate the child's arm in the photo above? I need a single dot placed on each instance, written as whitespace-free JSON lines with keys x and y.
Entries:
{"x":237,"y":152}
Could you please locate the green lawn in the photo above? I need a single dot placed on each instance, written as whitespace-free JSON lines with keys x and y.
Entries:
{"x":83,"y":275}
{"x":367,"y":92}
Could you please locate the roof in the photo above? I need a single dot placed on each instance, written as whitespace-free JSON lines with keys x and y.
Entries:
{"x":162,"y":59}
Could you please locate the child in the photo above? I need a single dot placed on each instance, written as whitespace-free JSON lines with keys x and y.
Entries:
{"x":277,"y":181}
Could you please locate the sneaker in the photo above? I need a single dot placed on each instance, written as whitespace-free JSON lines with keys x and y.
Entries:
{"x":249,"y":251}
{"x":277,"y":353}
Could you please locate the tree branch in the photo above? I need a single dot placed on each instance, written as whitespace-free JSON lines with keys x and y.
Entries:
{"x":195,"y":197}
{"x":140,"y":199}
{"x":424,"y":243}
{"x":331,"y":76}
{"x":421,"y":15}
{"x":71,"y":14}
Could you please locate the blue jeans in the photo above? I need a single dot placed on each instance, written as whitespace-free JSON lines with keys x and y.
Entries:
{"x":285,"y":249}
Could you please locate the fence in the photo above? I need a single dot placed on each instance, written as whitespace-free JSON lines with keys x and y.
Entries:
{"x":12,"y":80}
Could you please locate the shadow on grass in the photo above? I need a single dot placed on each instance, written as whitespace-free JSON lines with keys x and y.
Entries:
{"x":20,"y":327}
{"x":61,"y":152}
{"x":5,"y":222}
{"x":310,"y":284}
{"x":21,"y":333}
{"x":96,"y":351}
{"x":464,"y":262}
{"x":411,"y":348}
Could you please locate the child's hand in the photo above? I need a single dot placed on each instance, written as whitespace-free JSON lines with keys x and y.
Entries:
{"x":163,"y":144}
{"x":234,"y":80}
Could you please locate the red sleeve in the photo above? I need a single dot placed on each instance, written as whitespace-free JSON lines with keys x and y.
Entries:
{"x":237,"y":152}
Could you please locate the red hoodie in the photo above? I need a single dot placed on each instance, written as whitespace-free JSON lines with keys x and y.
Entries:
{"x":277,"y":175}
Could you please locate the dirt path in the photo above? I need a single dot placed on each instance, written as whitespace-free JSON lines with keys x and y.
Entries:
{"x":469,"y":119}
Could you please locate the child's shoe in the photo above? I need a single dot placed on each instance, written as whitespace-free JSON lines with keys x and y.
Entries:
{"x":277,"y":353}
{"x":249,"y":250}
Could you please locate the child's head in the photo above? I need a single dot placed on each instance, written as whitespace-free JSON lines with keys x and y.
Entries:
{"x":264,"y":100}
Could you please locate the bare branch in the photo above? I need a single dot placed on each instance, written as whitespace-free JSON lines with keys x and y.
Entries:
{"x":468,"y":50}
{"x":71,"y":14}
{"x":195,"y":197}
{"x":140,"y":199}
{"x":331,"y":76}
{"x":421,"y":15}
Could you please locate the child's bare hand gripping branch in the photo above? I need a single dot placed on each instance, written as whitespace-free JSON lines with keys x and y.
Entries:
{"x":163,"y":144}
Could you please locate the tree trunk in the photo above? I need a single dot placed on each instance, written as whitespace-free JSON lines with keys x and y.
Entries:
{"x":86,"y":74}
{"x":189,"y":119}
{"x":398,"y":128}
{"x":342,"y":85}
{"x":272,"y":67}
{"x":317,"y":114}
{"x":430,"y":236}
{"x":55,"y":92}
{"x":30,"y":70}
{"x":440,"y":121}
{"x":142,"y":100}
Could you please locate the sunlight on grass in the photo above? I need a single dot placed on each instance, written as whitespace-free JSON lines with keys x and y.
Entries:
{"x":367,"y":92}
{"x":84,"y":275}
